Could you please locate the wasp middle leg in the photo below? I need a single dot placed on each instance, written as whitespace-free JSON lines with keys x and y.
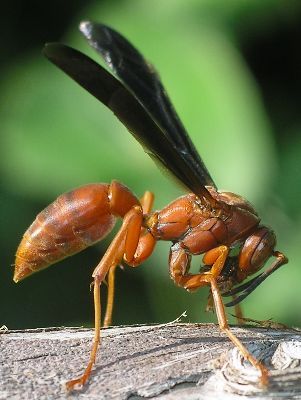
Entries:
{"x":179,"y":266}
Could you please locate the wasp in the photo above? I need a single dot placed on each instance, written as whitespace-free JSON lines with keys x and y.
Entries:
{"x":202,"y":221}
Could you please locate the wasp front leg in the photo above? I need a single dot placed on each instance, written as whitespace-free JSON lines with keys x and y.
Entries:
{"x":179,"y":266}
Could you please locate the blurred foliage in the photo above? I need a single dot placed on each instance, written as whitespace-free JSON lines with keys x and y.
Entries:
{"x":232,"y":70}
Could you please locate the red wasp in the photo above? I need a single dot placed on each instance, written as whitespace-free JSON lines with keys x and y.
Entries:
{"x":204,"y":221}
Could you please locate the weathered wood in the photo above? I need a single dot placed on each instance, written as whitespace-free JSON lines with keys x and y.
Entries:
{"x":172,"y":361}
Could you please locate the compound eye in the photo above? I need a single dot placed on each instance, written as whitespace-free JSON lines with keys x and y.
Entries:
{"x":256,"y":250}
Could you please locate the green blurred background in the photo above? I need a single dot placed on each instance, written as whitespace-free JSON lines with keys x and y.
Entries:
{"x":232,"y":69}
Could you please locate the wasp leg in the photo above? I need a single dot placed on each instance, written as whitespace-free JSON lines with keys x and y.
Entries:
{"x":110,"y":297}
{"x":97,"y":315}
{"x":223,"y":323}
{"x":179,"y":265}
{"x":239,"y":315}
{"x":217,"y":257}
{"x":146,"y":202}
{"x":125,"y":241}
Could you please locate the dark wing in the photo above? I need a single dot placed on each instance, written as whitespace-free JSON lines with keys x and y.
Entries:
{"x":139,"y":102}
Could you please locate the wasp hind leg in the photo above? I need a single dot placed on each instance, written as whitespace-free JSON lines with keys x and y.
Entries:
{"x":146,"y":202}
{"x":111,"y":258}
{"x":131,"y":244}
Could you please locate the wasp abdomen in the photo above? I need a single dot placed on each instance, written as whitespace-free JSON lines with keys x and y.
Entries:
{"x":74,"y":221}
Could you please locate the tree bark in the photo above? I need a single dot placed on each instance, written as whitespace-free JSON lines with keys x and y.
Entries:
{"x":170,"y":362}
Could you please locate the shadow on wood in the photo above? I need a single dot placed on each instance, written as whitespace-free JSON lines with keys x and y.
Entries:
{"x":171,"y":361}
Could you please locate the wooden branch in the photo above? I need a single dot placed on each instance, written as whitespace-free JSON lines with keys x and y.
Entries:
{"x":172,"y":361}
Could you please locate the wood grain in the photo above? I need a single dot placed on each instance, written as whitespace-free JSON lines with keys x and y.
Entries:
{"x":172,"y":361}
